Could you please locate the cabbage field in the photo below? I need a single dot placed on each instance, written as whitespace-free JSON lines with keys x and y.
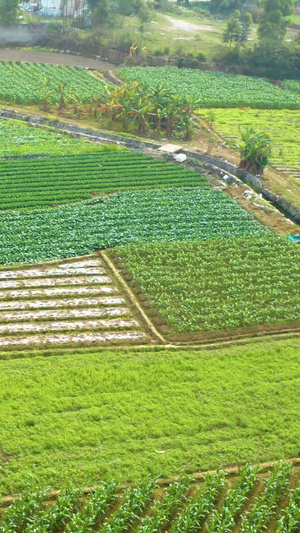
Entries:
{"x":220,"y":284}
{"x":50,"y":181}
{"x":173,"y":214}
{"x":30,"y":83}
{"x":252,"y":501}
{"x":215,"y":89}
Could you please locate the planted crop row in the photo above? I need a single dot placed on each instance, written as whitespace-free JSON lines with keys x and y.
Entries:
{"x":182,"y":507}
{"x":149,"y":216}
{"x":29,"y":83}
{"x":215,"y":89}
{"x":50,"y":181}
{"x":17,"y":138}
{"x":219,"y":284}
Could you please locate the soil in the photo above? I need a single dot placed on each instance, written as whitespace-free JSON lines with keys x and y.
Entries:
{"x":182,"y":25}
{"x":55,"y":58}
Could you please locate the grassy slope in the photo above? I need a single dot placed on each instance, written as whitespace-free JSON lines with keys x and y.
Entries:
{"x":89,"y":416}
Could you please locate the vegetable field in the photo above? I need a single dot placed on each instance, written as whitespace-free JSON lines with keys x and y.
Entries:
{"x":219,"y":284}
{"x":174,"y":214}
{"x":43,"y":182}
{"x":30,"y":83}
{"x":67,"y":303}
{"x":19,"y":138}
{"x":283,"y":127}
{"x":252,"y":501}
{"x":215,"y":89}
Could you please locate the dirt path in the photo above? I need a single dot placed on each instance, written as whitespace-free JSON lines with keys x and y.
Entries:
{"x":187,"y":26}
{"x":55,"y":58}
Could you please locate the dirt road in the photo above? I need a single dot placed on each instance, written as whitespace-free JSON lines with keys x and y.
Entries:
{"x":55,"y":58}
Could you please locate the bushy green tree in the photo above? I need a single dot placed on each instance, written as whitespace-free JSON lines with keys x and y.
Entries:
{"x":273,"y":21}
{"x":8,"y":11}
{"x":238,"y":29}
{"x":255,"y":151}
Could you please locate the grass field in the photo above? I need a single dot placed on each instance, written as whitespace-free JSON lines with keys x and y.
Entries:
{"x":218,"y":284}
{"x":51,"y":181}
{"x":89,"y":416}
{"x":19,"y":138}
{"x":122,"y":218}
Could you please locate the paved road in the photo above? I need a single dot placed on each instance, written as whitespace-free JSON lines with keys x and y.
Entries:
{"x":55,"y":58}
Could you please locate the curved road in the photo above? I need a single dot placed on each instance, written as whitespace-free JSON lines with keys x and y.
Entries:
{"x":55,"y":58}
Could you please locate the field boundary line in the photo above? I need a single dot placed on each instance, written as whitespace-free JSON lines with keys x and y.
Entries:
{"x":132,"y":297}
{"x":230,"y":471}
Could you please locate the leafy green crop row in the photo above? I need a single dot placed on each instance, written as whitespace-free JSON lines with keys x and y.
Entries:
{"x":196,"y":512}
{"x":219,"y":284}
{"x":155,"y":215}
{"x":19,"y":138}
{"x":215,"y":89}
{"x":43,"y":182}
{"x":30,"y":83}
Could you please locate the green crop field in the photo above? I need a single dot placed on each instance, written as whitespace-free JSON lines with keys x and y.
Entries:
{"x":283,"y":127}
{"x":19,"y":138}
{"x":253,"y":500}
{"x":219,"y":284}
{"x":43,"y":182}
{"x":98,"y":415}
{"x":215,"y":89}
{"x":139,"y":216}
{"x":29,"y":83}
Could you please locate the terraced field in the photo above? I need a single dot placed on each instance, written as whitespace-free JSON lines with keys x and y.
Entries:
{"x":64,"y":304}
{"x":48,"y":181}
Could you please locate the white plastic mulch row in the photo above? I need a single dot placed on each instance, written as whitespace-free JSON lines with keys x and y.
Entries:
{"x":73,"y":302}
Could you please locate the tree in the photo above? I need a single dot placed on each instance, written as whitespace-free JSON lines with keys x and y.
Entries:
{"x":8,"y":11}
{"x":255,"y":150}
{"x":273,"y":21}
{"x":238,"y":29}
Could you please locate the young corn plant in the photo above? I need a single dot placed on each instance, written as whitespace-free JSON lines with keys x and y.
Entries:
{"x":85,"y":520}
{"x":164,"y":510}
{"x":55,"y":517}
{"x":289,"y":521}
{"x":265,"y":505}
{"x":223,"y":521}
{"x":136,"y":500}
{"x":195,"y":514}
{"x":22,"y":512}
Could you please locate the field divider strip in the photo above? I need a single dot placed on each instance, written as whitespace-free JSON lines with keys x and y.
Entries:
{"x":164,"y":482}
{"x":132,"y":297}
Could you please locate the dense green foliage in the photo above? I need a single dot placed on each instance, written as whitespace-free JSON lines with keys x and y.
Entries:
{"x":215,"y":89}
{"x":111,"y":411}
{"x":150,"y":216}
{"x":219,"y":284}
{"x":30,"y":83}
{"x":292,"y":85}
{"x":43,"y":182}
{"x":110,"y":510}
{"x":19,"y":138}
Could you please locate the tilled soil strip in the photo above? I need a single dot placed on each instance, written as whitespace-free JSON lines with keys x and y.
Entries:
{"x":74,"y":302}
{"x":64,"y":313}
{"x":73,"y":325}
{"x":80,"y":338}
{"x":54,"y":282}
{"x":40,"y":273}
{"x":59,"y":292}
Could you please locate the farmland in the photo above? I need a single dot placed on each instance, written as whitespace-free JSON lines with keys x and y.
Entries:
{"x":219,"y":284}
{"x":283,"y":127}
{"x":252,"y":499}
{"x":215,"y":89}
{"x":43,"y":182}
{"x":96,"y":415}
{"x":20,"y":139}
{"x":29,"y":83}
{"x":174,"y":214}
